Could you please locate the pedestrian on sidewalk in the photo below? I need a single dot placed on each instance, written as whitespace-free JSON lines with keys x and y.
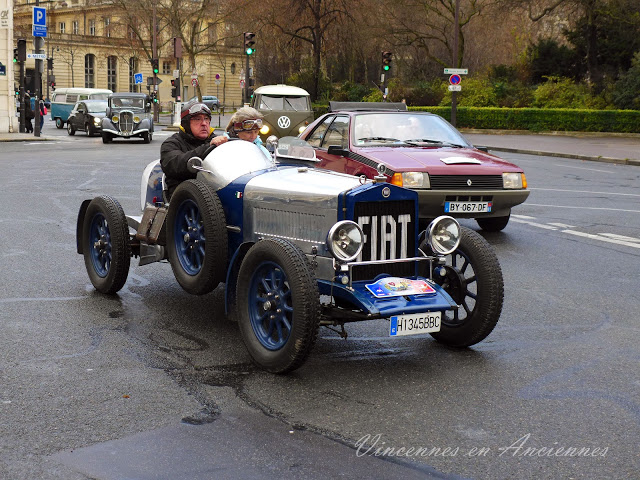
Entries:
{"x":42,"y":112}
{"x":28,"y":113}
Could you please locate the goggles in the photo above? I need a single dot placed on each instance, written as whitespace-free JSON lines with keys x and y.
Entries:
{"x":248,"y":125}
{"x":197,"y":108}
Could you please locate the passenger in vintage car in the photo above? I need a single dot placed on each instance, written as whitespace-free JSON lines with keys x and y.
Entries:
{"x":194,"y":139}
{"x":245,"y":124}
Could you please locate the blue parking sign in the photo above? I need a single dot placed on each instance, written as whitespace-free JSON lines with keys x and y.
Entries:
{"x":137,"y":78}
{"x":39,"y":22}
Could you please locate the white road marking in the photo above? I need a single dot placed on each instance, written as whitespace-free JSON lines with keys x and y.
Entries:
{"x":534,"y":224}
{"x":584,"y":168}
{"x":585,"y":191}
{"x":562,"y":225}
{"x":523,"y":216}
{"x":603,"y":237}
{"x":620,"y":237}
{"x":583,"y":208}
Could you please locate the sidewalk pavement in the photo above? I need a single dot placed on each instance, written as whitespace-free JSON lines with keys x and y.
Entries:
{"x":599,"y":147}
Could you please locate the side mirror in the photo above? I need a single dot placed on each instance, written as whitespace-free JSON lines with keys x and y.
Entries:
{"x":337,"y":150}
{"x":483,"y":149}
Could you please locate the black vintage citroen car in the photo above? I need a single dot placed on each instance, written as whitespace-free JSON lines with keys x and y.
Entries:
{"x":128,"y":115}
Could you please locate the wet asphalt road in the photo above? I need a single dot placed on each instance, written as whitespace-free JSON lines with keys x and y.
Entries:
{"x":155,"y":383}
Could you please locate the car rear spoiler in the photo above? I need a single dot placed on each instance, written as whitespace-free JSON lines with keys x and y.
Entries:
{"x":355,"y":106}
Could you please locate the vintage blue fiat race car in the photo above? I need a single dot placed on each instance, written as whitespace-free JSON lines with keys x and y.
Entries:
{"x":298,"y":248}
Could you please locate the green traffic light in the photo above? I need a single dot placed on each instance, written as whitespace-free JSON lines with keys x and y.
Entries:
{"x":155,"y":70}
{"x":386,"y":67}
{"x":249,"y":51}
{"x":15,"y":60}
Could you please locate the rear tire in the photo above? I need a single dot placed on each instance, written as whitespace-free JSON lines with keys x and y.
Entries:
{"x":106,"y":247}
{"x":59,"y":123}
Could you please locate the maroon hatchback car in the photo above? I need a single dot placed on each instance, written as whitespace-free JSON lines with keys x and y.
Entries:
{"x":421,"y":151}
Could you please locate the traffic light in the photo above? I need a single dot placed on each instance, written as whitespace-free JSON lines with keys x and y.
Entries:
{"x":22,"y":50}
{"x":15,"y":55}
{"x":174,"y":87}
{"x":53,"y":85}
{"x":249,"y":42}
{"x":386,"y":61}
{"x":155,"y":63}
{"x":50,"y":63}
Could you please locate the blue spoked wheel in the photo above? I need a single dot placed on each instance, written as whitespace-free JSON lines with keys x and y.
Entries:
{"x":278,"y":305}
{"x":106,"y":245}
{"x":473,"y":278}
{"x":197,"y":237}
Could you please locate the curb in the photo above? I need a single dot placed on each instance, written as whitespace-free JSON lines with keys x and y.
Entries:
{"x":619,"y":161}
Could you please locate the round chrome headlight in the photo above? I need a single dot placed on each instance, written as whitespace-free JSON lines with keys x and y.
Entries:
{"x":115,"y":119}
{"x":443,"y":235}
{"x":136,"y":119}
{"x":97,"y":121}
{"x":345,"y":240}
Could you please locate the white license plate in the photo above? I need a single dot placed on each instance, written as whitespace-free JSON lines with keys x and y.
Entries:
{"x":415,"y":324}
{"x":467,"y":207}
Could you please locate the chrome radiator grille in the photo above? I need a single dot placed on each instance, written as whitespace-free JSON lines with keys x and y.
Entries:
{"x":390,"y":230}
{"x":126,"y":122}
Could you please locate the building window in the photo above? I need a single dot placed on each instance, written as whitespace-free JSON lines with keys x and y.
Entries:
{"x":89,"y":71}
{"x":111,"y":73}
{"x":133,"y":69}
{"x":62,"y":27}
{"x":212,"y":30}
{"x":107,"y":26}
{"x":166,"y":67}
{"x":74,"y":27}
{"x":92,"y":27}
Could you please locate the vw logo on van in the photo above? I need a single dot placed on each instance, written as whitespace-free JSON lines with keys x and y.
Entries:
{"x":284,"y":122}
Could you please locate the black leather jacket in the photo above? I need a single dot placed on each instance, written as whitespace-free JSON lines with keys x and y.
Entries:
{"x":174,"y":154}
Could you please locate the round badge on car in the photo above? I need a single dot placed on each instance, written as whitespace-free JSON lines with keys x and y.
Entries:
{"x":386,"y":191}
{"x":284,"y":122}
{"x":469,"y":182}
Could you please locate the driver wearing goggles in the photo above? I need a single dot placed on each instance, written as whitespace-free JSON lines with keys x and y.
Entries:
{"x":194,"y":139}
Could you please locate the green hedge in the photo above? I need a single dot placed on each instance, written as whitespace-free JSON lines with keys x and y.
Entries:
{"x":538,"y":119}
{"x":534,"y":119}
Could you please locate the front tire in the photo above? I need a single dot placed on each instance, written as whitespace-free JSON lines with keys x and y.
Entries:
{"x":278,"y":305}
{"x":88,"y":130}
{"x":106,"y":247}
{"x":106,"y":138}
{"x":493,"y":224}
{"x":197,"y":237}
{"x":473,"y":278}
{"x":146,"y":137}
{"x":70,"y":129}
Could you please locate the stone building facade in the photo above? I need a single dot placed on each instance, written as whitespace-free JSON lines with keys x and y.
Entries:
{"x":93,"y":45}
